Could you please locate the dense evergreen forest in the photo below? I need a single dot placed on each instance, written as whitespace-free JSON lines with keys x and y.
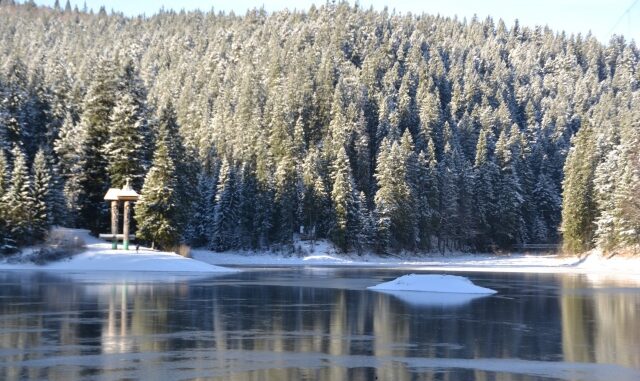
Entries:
{"x":379,"y":131}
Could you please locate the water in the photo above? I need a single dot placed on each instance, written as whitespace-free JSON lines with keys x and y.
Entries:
{"x":314,"y":324}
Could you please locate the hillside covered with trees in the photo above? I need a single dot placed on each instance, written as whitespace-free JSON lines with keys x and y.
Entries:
{"x":379,"y":131}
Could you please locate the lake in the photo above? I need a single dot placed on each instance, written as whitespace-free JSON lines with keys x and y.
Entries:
{"x":315,"y":324}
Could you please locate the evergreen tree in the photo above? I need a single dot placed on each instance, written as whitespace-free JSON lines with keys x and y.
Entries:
{"x":578,"y":204}
{"x":225,"y":215}
{"x":186,"y":174}
{"x":414,"y":180}
{"x":7,"y":244}
{"x":18,"y":200}
{"x":485,"y":177}
{"x":393,"y":200}
{"x":124,"y":150}
{"x":41,"y":194}
{"x":201,"y":223}
{"x":286,"y":199}
{"x":4,"y":176}
{"x":344,"y":203}
{"x":249,"y":225}
{"x":15,"y":99}
{"x":366,"y":231}
{"x":156,"y":210}
{"x":69,"y":150}
{"x":94,"y":124}
{"x":315,"y":203}
{"x":508,"y":195}
{"x":449,"y":173}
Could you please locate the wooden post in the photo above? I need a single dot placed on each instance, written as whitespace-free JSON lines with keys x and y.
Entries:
{"x":125,"y":228}
{"x":114,"y":224}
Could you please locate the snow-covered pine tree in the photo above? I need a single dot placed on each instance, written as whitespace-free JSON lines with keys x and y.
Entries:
{"x":578,"y":204}
{"x":38,"y":110}
{"x":225,"y":217}
{"x":315,"y":204}
{"x":201,"y":223}
{"x":68,"y":148}
{"x":41,"y":195}
{"x":628,"y":189}
{"x":366,"y":232}
{"x":15,"y":119}
{"x":393,"y":200}
{"x":449,"y":173}
{"x":412,"y":180}
{"x":58,"y":207}
{"x":286,"y":206}
{"x":7,"y":244}
{"x":508,"y":195}
{"x":248,"y":233}
{"x":4,"y":175}
{"x":485,"y":178}
{"x":547,"y":200}
{"x":18,"y":200}
{"x":94,"y":124}
{"x":124,"y":149}
{"x":344,"y":203}
{"x":156,"y":211}
{"x":186,"y":173}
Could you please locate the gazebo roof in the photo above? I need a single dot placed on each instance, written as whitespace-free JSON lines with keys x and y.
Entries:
{"x":128,"y":195}
{"x":112,"y":194}
{"x":125,"y":194}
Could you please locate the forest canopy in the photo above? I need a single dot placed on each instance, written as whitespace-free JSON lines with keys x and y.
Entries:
{"x":376,"y":130}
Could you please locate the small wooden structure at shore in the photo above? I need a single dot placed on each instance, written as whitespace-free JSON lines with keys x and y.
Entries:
{"x":116,"y":196}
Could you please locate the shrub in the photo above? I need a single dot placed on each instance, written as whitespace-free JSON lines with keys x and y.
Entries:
{"x":58,"y":245}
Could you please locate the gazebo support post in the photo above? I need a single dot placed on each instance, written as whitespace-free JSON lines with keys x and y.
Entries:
{"x":125,"y":228}
{"x":114,"y":224}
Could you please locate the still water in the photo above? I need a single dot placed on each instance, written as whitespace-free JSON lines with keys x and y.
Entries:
{"x":315,"y":324}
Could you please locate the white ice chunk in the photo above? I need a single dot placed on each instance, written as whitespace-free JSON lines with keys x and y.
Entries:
{"x":432,"y":283}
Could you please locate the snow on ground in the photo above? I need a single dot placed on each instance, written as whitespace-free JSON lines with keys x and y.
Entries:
{"x":100,"y":257}
{"x":323,"y":254}
{"x":432,"y":283}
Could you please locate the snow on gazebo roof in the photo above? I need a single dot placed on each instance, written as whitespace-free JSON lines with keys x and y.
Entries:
{"x":125,"y":194}
{"x":112,"y":194}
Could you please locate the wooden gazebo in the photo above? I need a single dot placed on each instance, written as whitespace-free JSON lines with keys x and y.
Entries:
{"x":115,"y":196}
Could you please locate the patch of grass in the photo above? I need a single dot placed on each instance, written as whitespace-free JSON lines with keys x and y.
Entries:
{"x":182,"y":250}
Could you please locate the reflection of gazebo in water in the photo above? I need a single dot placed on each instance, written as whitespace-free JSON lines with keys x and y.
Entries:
{"x":115,"y":195}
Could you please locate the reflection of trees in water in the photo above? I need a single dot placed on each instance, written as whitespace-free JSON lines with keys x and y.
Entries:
{"x":26,"y":323}
{"x":57,"y":318}
{"x":135,"y":313}
{"x":344,"y":322}
{"x":603,"y":327}
{"x":201,"y":322}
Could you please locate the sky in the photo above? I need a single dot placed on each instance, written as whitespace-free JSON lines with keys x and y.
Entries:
{"x":602,"y":17}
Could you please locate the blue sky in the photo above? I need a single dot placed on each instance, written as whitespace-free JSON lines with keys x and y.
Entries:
{"x":602,"y":17}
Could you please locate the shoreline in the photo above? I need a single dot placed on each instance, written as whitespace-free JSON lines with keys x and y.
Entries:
{"x":592,"y":263}
{"x":99,"y":257}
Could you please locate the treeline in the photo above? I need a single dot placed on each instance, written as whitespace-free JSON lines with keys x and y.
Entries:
{"x":379,"y":131}
{"x":602,"y":180}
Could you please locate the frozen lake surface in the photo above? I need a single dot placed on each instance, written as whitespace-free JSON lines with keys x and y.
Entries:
{"x":315,"y":323}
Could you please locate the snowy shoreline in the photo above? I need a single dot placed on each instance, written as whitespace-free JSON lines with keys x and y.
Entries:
{"x":98,"y":256}
{"x":593,"y":263}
